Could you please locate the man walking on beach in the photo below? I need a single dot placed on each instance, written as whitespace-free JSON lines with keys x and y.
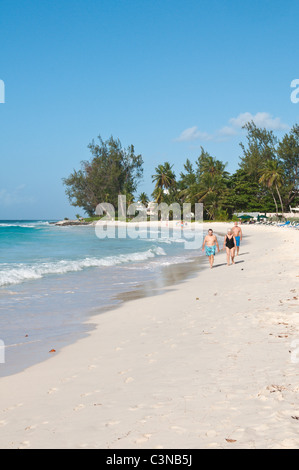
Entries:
{"x":237,"y":232}
{"x":210,"y":242}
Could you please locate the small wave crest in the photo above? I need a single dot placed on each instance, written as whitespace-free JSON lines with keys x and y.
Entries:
{"x":17,"y":224}
{"x":21,"y":273}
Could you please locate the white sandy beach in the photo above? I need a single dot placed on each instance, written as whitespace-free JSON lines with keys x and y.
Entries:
{"x":210,"y":363}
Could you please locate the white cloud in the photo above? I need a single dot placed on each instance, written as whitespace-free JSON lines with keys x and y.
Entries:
{"x":264,"y":120}
{"x":227,"y":131}
{"x":193,"y":133}
{"x":261,"y":119}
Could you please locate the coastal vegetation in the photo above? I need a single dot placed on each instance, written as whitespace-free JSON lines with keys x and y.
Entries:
{"x":111,"y":171}
{"x":267,"y":179}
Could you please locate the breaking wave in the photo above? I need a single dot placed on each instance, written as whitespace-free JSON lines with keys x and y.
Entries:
{"x":16,"y":274}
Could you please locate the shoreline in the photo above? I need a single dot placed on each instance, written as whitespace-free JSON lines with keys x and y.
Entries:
{"x":167,"y":278}
{"x":205,"y":361}
{"x":31,"y":350}
{"x":150,"y":223}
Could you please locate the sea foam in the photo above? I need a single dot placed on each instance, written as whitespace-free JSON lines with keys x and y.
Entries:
{"x":17,"y":274}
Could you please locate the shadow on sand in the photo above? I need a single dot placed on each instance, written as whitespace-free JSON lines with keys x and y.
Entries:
{"x":225,"y":264}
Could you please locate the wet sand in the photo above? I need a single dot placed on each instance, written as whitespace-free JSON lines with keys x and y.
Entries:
{"x":37,"y":336}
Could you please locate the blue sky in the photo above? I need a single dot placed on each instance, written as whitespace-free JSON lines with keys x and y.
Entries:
{"x":165,"y":76}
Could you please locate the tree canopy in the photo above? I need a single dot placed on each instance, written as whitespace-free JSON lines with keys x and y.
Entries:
{"x":267,"y":179}
{"x":111,"y":171}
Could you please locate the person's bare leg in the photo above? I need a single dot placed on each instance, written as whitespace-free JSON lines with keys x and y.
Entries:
{"x":211,"y":259}
{"x":233,"y":255}
{"x":228,"y":256}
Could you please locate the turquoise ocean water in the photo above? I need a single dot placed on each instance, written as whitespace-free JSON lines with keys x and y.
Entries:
{"x":52,"y":279}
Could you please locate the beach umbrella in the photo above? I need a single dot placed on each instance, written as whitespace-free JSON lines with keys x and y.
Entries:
{"x":245,"y":217}
{"x":259,"y":217}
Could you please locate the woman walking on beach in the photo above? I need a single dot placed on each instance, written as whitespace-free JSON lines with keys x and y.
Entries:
{"x":230,"y":245}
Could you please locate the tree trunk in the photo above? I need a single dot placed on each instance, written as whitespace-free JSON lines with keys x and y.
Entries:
{"x":275,"y":202}
{"x":279,"y":198}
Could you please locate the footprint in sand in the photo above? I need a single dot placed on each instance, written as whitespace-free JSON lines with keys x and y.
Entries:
{"x":24,"y":445}
{"x":92,"y":367}
{"x":31,"y":428}
{"x":213,"y":445}
{"x":3,"y":423}
{"x":150,"y":357}
{"x":143,"y":439}
{"x":52,"y":390}
{"x":14,"y":407}
{"x":124,"y":371}
{"x":129,"y":380}
{"x":136,"y":407}
{"x":79,"y":407}
{"x":112,"y":423}
{"x":288,"y":444}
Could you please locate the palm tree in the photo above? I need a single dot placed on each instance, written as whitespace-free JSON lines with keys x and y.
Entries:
{"x":158,"y":195}
{"x":212,"y":183}
{"x":143,"y":199}
{"x":130,"y":198}
{"x":164,"y":179}
{"x":272,"y":175}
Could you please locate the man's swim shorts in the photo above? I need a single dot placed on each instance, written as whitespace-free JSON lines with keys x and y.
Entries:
{"x":211,"y":250}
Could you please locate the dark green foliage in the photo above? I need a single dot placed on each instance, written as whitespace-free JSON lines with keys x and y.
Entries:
{"x":111,"y":171}
{"x":267,"y":180}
